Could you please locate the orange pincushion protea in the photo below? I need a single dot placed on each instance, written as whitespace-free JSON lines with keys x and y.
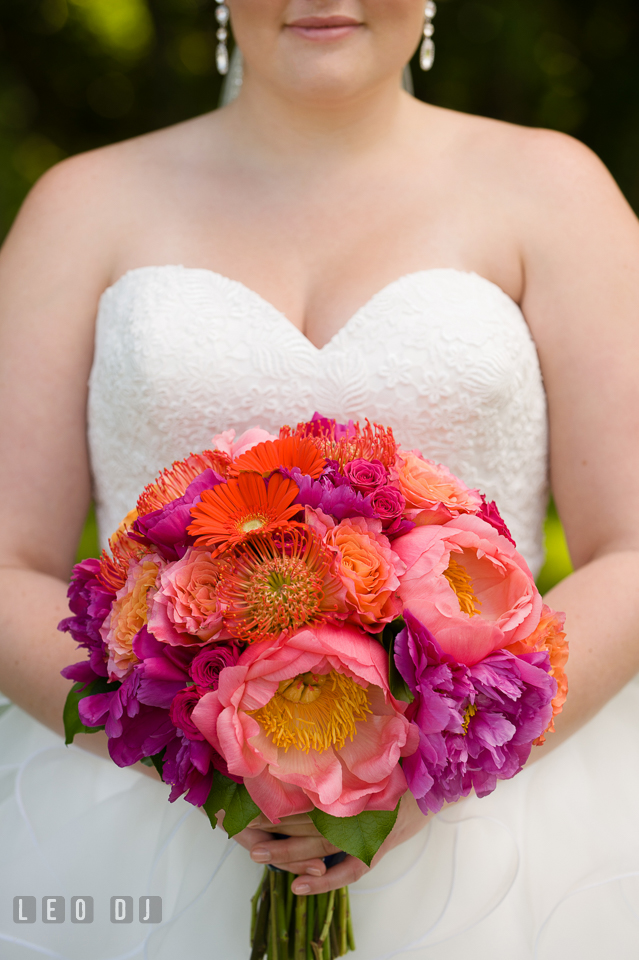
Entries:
{"x":114,"y":569}
{"x":369,"y":443}
{"x":233,"y":511}
{"x":279,"y":582}
{"x":288,"y":452}
{"x":172,"y":483}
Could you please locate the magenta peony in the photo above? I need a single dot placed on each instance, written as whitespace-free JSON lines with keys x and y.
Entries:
{"x":344,"y":758}
{"x":476,"y":724}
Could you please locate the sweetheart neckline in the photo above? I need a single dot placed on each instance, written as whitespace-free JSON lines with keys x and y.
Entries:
{"x":429,"y":271}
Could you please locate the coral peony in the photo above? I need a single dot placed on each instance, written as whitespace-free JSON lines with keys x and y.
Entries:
{"x":309,"y":721}
{"x":129,"y":614}
{"x":185,"y":607}
{"x":432,"y":493}
{"x":468,"y":586}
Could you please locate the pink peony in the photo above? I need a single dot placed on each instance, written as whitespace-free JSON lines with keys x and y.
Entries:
{"x":185,"y":608}
{"x":344,"y":758}
{"x":468,"y":586}
{"x":227,"y":443}
{"x":433,"y":494}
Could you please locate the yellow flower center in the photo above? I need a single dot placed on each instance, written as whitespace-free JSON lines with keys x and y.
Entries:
{"x":471,"y":710}
{"x":314,"y":711}
{"x":461,"y":582}
{"x":251,"y":524}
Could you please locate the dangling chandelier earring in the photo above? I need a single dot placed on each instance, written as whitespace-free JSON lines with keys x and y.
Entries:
{"x":222,"y":16}
{"x":427,"y":50}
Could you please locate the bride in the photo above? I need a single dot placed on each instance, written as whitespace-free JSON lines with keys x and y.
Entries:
{"x":326,"y":242}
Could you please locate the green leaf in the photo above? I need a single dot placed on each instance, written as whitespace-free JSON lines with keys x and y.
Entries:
{"x":236,"y":802}
{"x":157,"y":761}
{"x":71,"y":716}
{"x":361,"y":836}
{"x":398,"y":686}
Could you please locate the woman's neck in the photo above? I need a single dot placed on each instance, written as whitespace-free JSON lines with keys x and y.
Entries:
{"x":290,"y":130}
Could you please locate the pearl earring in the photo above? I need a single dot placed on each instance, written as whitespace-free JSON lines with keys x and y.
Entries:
{"x":222,"y":16}
{"x":427,"y":50}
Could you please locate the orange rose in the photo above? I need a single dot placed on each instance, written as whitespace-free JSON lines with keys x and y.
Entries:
{"x":128,"y":615}
{"x":432,"y":493}
{"x":369,"y":569}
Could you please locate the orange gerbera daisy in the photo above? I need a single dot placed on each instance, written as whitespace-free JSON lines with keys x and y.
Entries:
{"x":288,"y":452}
{"x":372,"y":442}
{"x":233,"y":511}
{"x":276,"y":583}
{"x":114,"y":568}
{"x":172,"y":483}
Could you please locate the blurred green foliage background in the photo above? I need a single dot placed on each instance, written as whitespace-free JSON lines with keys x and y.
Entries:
{"x":76,"y":74}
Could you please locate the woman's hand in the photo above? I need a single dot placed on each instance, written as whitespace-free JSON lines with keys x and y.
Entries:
{"x":305,"y":848}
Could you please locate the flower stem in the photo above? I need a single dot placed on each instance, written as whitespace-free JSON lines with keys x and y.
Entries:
{"x":301,"y":907}
{"x":261,"y":924}
{"x":273,"y":937}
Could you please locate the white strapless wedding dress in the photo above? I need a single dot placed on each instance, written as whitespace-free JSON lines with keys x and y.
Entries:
{"x":547,"y":867}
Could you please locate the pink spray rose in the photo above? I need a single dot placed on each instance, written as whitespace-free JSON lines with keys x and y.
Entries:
{"x":366,"y":475}
{"x":185,"y":608}
{"x":433,"y":494}
{"x":344,"y":758}
{"x":468,"y":586}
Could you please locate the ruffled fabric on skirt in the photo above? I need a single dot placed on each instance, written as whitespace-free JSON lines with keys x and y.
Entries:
{"x":545,"y":868}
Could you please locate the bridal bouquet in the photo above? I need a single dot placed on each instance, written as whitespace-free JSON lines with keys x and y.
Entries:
{"x":314,"y":623}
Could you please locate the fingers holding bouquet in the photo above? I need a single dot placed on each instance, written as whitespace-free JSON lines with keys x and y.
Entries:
{"x":302,"y":630}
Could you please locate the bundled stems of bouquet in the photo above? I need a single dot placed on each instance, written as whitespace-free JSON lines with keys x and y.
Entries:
{"x":287,"y":927}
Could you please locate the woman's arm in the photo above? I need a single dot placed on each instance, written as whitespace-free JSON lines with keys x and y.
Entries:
{"x":53,"y":267}
{"x":581,"y":256}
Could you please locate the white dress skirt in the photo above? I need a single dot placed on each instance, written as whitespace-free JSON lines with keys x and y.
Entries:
{"x":547,"y":867}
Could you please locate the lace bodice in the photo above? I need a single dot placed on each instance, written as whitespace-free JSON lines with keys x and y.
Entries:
{"x":442,"y":356}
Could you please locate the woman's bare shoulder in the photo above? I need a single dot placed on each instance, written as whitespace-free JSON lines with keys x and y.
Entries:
{"x":85,"y":206}
{"x":514,"y":155}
